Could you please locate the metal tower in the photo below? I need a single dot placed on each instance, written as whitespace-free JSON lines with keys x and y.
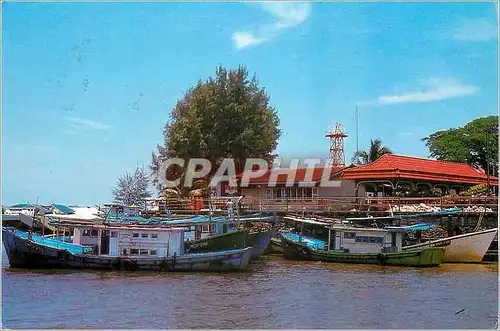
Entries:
{"x":336,"y":136}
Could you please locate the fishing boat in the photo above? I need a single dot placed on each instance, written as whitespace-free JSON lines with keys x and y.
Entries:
{"x":231,"y":236}
{"x":348,"y":244}
{"x":464,"y":248}
{"x":117,"y":247}
{"x":275,"y":246}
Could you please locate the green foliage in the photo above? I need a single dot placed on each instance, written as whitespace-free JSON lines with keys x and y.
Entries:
{"x":375,"y":151}
{"x":221,"y":117}
{"x":475,"y":190}
{"x":476,"y":143}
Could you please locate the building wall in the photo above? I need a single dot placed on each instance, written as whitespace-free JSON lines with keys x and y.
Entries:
{"x":346,"y":189}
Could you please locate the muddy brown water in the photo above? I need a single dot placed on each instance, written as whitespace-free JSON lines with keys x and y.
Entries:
{"x":273,"y":293}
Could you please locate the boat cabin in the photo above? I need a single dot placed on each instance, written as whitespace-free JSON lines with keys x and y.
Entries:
{"x":203,"y":227}
{"x":364,"y":240}
{"x":130,"y":241}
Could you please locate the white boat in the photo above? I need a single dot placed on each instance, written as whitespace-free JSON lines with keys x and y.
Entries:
{"x":469,"y":247}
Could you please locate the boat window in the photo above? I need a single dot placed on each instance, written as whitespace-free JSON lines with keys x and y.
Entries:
{"x":86,"y":233}
{"x":144,"y":251}
{"x":94,"y":233}
{"x":152,"y":252}
{"x":134,"y":251}
{"x":205,"y":228}
{"x":113,"y":234}
{"x":154,"y":235}
{"x":135,"y":235}
{"x":349,"y":235}
{"x":370,"y":240}
{"x":144,"y":235}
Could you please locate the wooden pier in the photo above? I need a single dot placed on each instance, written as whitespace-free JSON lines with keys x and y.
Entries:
{"x":334,"y":205}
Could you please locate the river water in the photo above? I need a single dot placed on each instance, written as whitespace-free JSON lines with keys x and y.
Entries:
{"x":273,"y":293}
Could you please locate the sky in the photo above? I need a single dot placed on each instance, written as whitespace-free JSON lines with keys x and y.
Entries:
{"x":88,"y":87}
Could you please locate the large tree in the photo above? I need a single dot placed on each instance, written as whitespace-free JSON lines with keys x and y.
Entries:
{"x":225,"y":116}
{"x":476,"y":143}
{"x":132,"y":188}
{"x":375,"y":151}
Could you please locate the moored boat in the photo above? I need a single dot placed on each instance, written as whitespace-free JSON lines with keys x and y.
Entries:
{"x":359,"y":245}
{"x":258,"y":240}
{"x":117,"y":248}
{"x":464,"y":248}
{"x":275,"y":246}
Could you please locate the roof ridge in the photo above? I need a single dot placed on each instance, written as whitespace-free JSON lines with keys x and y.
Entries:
{"x":427,"y":159}
{"x":392,"y":165}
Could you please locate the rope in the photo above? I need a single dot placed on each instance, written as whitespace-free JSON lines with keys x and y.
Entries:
{"x":480,"y":220}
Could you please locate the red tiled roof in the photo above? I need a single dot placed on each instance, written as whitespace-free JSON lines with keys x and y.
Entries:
{"x":390,"y":166}
{"x":299,"y":176}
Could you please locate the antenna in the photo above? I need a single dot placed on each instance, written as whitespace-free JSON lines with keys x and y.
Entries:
{"x":357,"y":129}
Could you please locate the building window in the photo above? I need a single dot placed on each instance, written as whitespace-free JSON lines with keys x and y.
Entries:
{"x":205,"y":228}
{"x":94,"y":233}
{"x":144,"y":235}
{"x":135,"y":235}
{"x":144,"y":251}
{"x":113,"y":234}
{"x":152,"y":252}
{"x":124,"y":251}
{"x":86,"y":233}
{"x":154,"y":235}
{"x":349,"y":235}
{"x":134,"y":251}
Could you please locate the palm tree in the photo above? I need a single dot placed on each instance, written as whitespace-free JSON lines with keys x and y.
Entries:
{"x":376,"y":150}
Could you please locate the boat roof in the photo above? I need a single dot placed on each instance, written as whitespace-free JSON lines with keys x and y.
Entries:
{"x":353,"y":228}
{"x":306,"y":220}
{"x":63,"y":208}
{"x":415,"y":227}
{"x":80,"y":213}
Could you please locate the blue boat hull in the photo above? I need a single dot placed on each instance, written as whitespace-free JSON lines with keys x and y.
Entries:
{"x":24,"y":253}
{"x":259,"y":241}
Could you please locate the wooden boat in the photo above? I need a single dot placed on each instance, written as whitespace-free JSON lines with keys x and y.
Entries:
{"x":467,"y":248}
{"x":359,"y":245}
{"x":275,"y":246}
{"x":117,"y":248}
{"x":259,"y":241}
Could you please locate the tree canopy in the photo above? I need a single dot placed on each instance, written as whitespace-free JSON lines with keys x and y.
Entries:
{"x":375,"y":151}
{"x":132,"y":188}
{"x":476,"y":143}
{"x":221,"y":117}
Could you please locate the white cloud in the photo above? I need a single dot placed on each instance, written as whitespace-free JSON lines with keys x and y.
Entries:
{"x":432,"y":89}
{"x":245,"y":39}
{"x":77,"y":122}
{"x":475,"y":30}
{"x":285,"y":14}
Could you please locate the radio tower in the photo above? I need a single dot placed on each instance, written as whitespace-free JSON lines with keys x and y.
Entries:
{"x":336,"y":136}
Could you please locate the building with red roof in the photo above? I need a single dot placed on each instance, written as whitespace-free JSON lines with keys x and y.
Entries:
{"x":385,"y":175}
{"x":302,"y":183}
{"x":394,"y":170}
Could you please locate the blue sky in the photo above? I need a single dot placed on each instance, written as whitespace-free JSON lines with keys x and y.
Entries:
{"x":87,"y":87}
